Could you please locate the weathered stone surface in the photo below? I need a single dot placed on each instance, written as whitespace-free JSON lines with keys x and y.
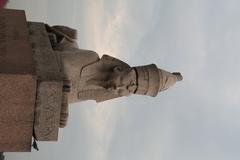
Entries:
{"x":17,"y":83}
{"x":47,"y":66}
{"x":15,"y":51}
{"x":48,"y":108}
{"x":17,"y":102}
{"x":49,"y":91}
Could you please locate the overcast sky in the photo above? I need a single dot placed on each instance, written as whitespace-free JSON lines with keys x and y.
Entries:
{"x":196,"y":119}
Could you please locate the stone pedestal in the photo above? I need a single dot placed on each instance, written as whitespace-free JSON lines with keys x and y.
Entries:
{"x":30,"y":83}
{"x":17,"y":102}
{"x":17,"y":83}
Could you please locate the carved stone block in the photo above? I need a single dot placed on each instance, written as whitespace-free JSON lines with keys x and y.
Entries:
{"x":48,"y":108}
{"x":47,"y":66}
{"x":49,"y":91}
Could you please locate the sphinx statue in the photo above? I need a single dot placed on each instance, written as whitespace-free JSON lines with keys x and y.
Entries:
{"x":88,"y":77}
{"x":42,"y":71}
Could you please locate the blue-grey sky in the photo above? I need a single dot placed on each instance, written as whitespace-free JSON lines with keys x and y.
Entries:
{"x":196,"y":119}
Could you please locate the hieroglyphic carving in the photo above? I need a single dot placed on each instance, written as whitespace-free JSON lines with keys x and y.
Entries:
{"x":49,"y":92}
{"x":47,"y":112}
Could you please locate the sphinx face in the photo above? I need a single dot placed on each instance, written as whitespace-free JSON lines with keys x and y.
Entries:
{"x":122,"y":81}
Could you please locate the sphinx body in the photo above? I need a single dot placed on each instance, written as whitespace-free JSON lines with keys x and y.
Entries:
{"x":88,"y":77}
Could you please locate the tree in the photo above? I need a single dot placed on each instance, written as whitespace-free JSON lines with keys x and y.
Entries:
{"x":2,"y":156}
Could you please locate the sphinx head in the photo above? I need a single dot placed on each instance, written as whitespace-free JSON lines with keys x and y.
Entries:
{"x":144,"y":80}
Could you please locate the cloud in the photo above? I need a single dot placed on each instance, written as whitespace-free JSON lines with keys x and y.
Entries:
{"x":117,"y":31}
